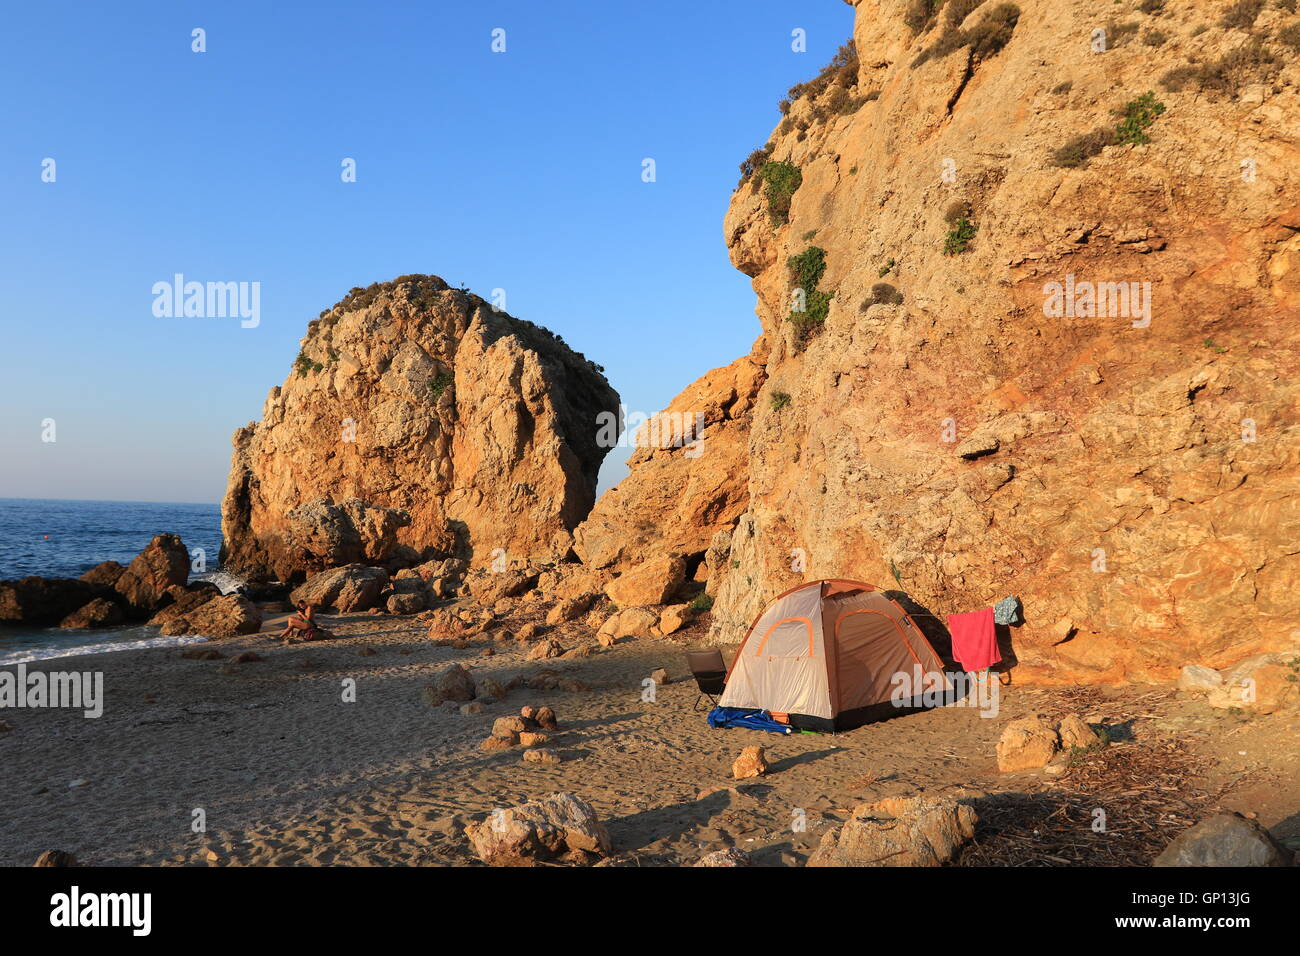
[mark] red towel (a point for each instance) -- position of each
(974, 641)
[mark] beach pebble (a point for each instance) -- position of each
(728, 857)
(545, 718)
(541, 756)
(659, 676)
(508, 727)
(472, 708)
(544, 650)
(530, 739)
(496, 743)
(78, 783)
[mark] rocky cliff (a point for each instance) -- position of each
(1029, 294)
(418, 422)
(687, 476)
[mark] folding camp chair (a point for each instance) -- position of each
(710, 673)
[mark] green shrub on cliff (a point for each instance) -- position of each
(780, 181)
(1136, 116)
(806, 270)
(303, 364)
(439, 384)
(958, 238)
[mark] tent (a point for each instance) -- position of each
(833, 654)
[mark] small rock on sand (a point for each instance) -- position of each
(728, 857)
(1074, 733)
(544, 756)
(752, 762)
(1027, 744)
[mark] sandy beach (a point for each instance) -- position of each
(287, 773)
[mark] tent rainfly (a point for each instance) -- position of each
(830, 655)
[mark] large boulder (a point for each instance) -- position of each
(184, 600)
(100, 612)
(1225, 839)
(560, 827)
(355, 587)
(36, 600)
(650, 582)
(630, 622)
(412, 395)
(224, 616)
(899, 831)
(321, 534)
(163, 564)
(489, 587)
(569, 609)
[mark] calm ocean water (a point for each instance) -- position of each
(63, 539)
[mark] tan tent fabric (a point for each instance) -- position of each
(828, 650)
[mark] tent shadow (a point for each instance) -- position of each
(786, 763)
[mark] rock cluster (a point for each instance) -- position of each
(560, 827)
(153, 588)
(1262, 683)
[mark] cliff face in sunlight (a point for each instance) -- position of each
(953, 411)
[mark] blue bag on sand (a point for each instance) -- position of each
(745, 717)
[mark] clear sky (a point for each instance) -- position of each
(519, 170)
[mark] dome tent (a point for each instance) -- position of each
(830, 655)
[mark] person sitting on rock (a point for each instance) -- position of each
(304, 622)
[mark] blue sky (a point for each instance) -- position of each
(518, 170)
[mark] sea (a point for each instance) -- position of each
(64, 539)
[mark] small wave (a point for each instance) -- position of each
(30, 654)
(224, 580)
